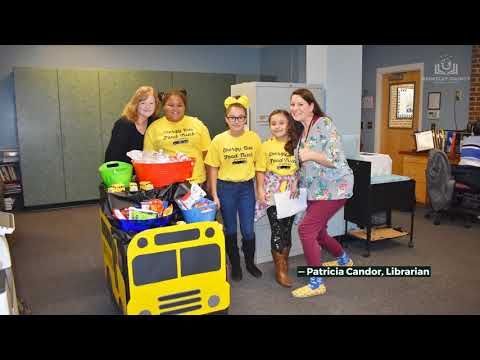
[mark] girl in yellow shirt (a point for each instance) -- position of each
(276, 171)
(177, 132)
(231, 159)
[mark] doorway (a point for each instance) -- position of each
(398, 110)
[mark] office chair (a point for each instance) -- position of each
(452, 192)
(440, 184)
(467, 189)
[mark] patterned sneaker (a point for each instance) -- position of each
(343, 260)
(315, 287)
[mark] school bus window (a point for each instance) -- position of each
(200, 259)
(177, 236)
(146, 270)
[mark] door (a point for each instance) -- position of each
(205, 96)
(400, 114)
(39, 136)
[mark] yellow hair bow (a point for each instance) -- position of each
(242, 100)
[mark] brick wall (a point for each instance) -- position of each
(474, 105)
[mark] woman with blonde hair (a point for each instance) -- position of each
(128, 131)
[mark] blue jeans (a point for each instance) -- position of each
(237, 197)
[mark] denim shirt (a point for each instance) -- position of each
(325, 183)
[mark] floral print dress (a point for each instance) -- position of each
(274, 183)
(325, 183)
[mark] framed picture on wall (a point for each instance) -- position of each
(434, 99)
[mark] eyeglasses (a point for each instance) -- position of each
(236, 118)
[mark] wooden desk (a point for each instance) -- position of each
(414, 165)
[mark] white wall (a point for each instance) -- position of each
(189, 58)
(339, 69)
(316, 64)
(284, 62)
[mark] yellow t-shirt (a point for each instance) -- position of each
(234, 156)
(189, 136)
(273, 157)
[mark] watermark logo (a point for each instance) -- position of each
(446, 66)
(445, 71)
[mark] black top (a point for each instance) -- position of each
(125, 137)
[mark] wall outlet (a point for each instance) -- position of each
(433, 114)
(458, 95)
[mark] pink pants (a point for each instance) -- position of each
(313, 230)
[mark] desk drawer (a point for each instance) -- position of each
(397, 195)
(416, 173)
(415, 159)
(421, 192)
(414, 169)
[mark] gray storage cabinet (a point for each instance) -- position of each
(116, 89)
(206, 95)
(65, 118)
(39, 136)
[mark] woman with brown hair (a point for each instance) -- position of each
(325, 173)
(128, 131)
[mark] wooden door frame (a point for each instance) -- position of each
(378, 96)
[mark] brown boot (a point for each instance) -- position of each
(281, 274)
(286, 252)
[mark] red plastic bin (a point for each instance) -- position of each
(161, 175)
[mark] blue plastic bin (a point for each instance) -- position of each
(205, 213)
(140, 225)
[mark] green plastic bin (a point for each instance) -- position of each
(116, 172)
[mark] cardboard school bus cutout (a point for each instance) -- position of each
(170, 270)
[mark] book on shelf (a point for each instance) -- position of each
(4, 173)
(12, 173)
(12, 186)
(8, 173)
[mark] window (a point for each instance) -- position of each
(200, 259)
(147, 271)
(401, 105)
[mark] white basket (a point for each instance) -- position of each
(7, 223)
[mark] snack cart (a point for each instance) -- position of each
(166, 270)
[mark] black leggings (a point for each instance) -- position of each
(281, 230)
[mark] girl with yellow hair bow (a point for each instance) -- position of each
(231, 159)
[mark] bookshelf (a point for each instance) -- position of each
(10, 178)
